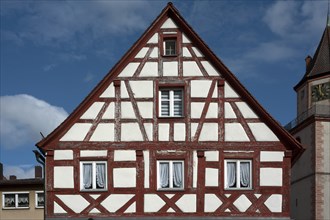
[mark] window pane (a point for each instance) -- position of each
(165, 108)
(231, 174)
(87, 176)
(165, 95)
(177, 175)
(245, 174)
(9, 200)
(164, 175)
(177, 108)
(23, 200)
(100, 176)
(177, 94)
(40, 199)
(170, 47)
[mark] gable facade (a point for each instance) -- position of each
(169, 132)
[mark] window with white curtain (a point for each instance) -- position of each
(93, 175)
(40, 199)
(171, 102)
(15, 200)
(238, 174)
(170, 174)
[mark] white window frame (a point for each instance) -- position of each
(238, 178)
(16, 200)
(170, 175)
(93, 175)
(171, 101)
(166, 40)
(36, 199)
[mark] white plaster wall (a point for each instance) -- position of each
(63, 177)
(212, 202)
(149, 69)
(142, 89)
(146, 169)
(179, 132)
(115, 201)
(152, 203)
(129, 70)
(145, 109)
(124, 155)
(229, 92)
(75, 202)
(211, 155)
(163, 132)
(211, 177)
(185, 52)
(193, 128)
(131, 208)
(209, 132)
(274, 203)
(170, 68)
(153, 39)
(123, 90)
(109, 92)
(154, 53)
(271, 177)
(93, 153)
(200, 88)
(124, 177)
(131, 132)
(63, 155)
(103, 132)
(93, 111)
(77, 132)
(190, 68)
(242, 203)
(148, 128)
(261, 132)
(187, 203)
(127, 110)
(271, 156)
(212, 112)
(210, 69)
(185, 39)
(110, 112)
(58, 209)
(229, 112)
(246, 111)
(235, 132)
(197, 52)
(169, 23)
(142, 52)
(196, 109)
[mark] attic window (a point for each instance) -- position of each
(170, 47)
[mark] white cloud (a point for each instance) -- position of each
(23, 117)
(20, 171)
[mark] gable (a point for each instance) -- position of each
(124, 107)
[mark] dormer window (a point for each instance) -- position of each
(170, 47)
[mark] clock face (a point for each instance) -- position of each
(321, 92)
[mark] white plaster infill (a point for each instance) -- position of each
(271, 156)
(211, 202)
(93, 153)
(75, 202)
(152, 203)
(63, 177)
(271, 177)
(124, 155)
(63, 155)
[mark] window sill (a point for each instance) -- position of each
(238, 189)
(169, 190)
(10, 208)
(93, 190)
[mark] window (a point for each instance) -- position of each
(171, 102)
(238, 174)
(15, 200)
(93, 175)
(170, 47)
(40, 199)
(170, 174)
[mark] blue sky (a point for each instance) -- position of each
(53, 53)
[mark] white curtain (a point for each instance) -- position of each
(164, 175)
(231, 174)
(9, 200)
(100, 175)
(23, 200)
(245, 174)
(177, 174)
(87, 178)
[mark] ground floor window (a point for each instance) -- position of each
(238, 174)
(93, 175)
(15, 200)
(170, 174)
(40, 199)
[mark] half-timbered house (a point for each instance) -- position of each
(169, 132)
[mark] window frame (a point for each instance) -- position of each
(170, 162)
(36, 199)
(16, 200)
(237, 172)
(93, 175)
(171, 100)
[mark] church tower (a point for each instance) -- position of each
(310, 183)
